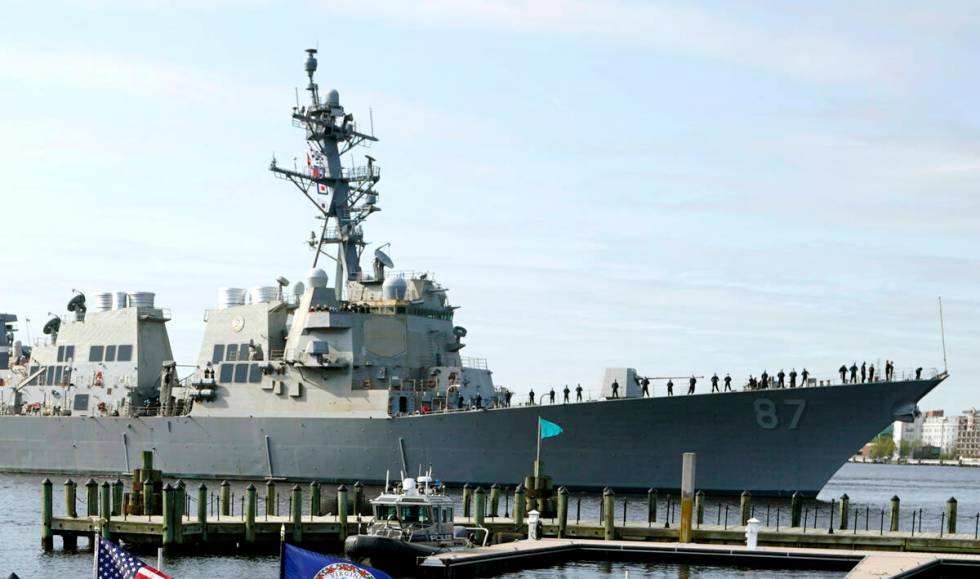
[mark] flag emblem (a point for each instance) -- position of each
(343, 571)
(297, 563)
(114, 562)
(321, 189)
(549, 429)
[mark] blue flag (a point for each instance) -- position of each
(549, 429)
(302, 564)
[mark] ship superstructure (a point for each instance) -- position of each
(92, 362)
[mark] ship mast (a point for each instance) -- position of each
(344, 196)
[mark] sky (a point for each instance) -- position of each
(676, 187)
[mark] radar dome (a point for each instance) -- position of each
(333, 98)
(316, 277)
(394, 288)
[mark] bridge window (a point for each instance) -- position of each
(243, 352)
(61, 353)
(227, 372)
(80, 403)
(69, 353)
(110, 353)
(241, 373)
(124, 353)
(49, 379)
(95, 353)
(255, 373)
(232, 354)
(218, 354)
(58, 370)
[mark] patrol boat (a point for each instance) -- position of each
(415, 520)
(346, 380)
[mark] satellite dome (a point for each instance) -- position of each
(394, 288)
(316, 277)
(333, 98)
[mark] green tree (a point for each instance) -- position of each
(882, 447)
(905, 449)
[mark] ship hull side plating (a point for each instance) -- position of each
(766, 442)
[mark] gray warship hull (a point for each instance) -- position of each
(768, 442)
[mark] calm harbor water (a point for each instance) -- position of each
(869, 486)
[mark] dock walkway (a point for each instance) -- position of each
(528, 553)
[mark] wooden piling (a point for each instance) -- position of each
(608, 516)
(117, 498)
(270, 499)
(91, 498)
(896, 511)
(250, 508)
(358, 498)
(562, 512)
(168, 515)
(315, 499)
(147, 487)
(651, 506)
(146, 460)
(70, 510)
(105, 509)
(685, 533)
(342, 511)
(135, 502)
(494, 500)
(466, 500)
(297, 514)
(520, 508)
(845, 504)
(795, 510)
(951, 515)
(47, 514)
(481, 505)
(745, 507)
(225, 497)
(202, 511)
(180, 508)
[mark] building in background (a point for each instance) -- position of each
(940, 431)
(968, 437)
(907, 436)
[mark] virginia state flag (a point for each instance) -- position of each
(302, 564)
(549, 429)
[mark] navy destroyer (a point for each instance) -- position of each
(352, 379)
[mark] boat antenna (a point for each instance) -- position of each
(387, 477)
(942, 334)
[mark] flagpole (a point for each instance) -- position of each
(282, 551)
(537, 460)
(95, 556)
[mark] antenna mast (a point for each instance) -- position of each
(344, 196)
(942, 333)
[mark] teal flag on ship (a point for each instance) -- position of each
(549, 429)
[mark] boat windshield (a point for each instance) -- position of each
(385, 512)
(415, 514)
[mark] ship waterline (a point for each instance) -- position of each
(768, 442)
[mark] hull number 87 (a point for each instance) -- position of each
(770, 415)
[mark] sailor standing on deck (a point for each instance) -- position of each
(690, 389)
(854, 373)
(764, 380)
(782, 378)
(531, 396)
(578, 393)
(565, 392)
(918, 373)
(792, 378)
(843, 373)
(864, 372)
(714, 382)
(728, 382)
(645, 384)
(871, 373)
(670, 387)
(551, 396)
(507, 396)
(804, 377)
(615, 389)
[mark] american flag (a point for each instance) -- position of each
(116, 563)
